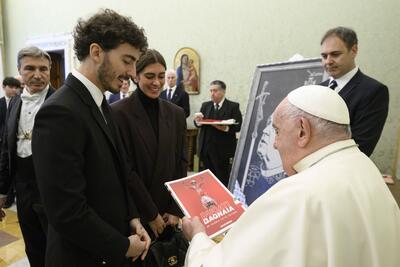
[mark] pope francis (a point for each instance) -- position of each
(333, 210)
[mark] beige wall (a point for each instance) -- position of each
(232, 37)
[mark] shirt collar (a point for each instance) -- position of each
(38, 94)
(322, 153)
(94, 91)
(342, 81)
(220, 103)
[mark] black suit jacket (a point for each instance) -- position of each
(368, 102)
(9, 145)
(82, 180)
(3, 111)
(226, 140)
(154, 159)
(180, 98)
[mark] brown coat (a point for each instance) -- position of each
(152, 163)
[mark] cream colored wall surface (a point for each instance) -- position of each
(232, 37)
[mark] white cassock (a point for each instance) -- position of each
(336, 211)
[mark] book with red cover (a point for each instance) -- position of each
(203, 195)
(217, 122)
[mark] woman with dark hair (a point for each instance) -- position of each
(154, 135)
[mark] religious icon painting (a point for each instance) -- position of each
(187, 66)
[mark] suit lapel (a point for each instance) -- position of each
(164, 137)
(209, 107)
(222, 111)
(351, 84)
(176, 95)
(86, 98)
(13, 121)
(143, 125)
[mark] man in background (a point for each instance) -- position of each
(367, 99)
(217, 143)
(175, 93)
(16, 165)
(333, 210)
(124, 91)
(11, 87)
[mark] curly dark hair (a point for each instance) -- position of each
(108, 29)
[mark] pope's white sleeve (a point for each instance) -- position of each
(200, 247)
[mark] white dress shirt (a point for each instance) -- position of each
(94, 91)
(172, 92)
(31, 104)
(7, 100)
(342, 81)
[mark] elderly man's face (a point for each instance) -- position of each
(170, 79)
(336, 57)
(35, 73)
(216, 93)
(285, 137)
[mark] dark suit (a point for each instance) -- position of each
(180, 98)
(20, 173)
(81, 175)
(114, 98)
(368, 104)
(154, 159)
(217, 147)
(3, 111)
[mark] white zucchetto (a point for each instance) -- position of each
(321, 102)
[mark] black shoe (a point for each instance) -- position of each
(8, 203)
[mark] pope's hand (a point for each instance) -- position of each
(191, 227)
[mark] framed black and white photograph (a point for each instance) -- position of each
(257, 165)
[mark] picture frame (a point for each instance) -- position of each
(257, 165)
(187, 66)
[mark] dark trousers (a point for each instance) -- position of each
(31, 216)
(10, 197)
(217, 162)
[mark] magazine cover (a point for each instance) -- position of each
(203, 195)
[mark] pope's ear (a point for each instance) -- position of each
(304, 132)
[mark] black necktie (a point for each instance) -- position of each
(216, 106)
(107, 116)
(332, 84)
(123, 95)
(169, 94)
